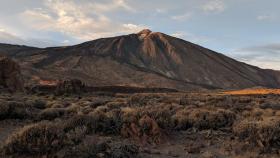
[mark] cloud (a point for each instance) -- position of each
(134, 28)
(38, 18)
(265, 56)
(80, 20)
(10, 38)
(160, 10)
(178, 34)
(6, 37)
(191, 37)
(264, 17)
(114, 4)
(216, 6)
(182, 17)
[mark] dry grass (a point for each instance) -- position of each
(253, 91)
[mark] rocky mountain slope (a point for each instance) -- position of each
(145, 59)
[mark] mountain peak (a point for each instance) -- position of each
(144, 33)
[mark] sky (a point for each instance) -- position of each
(246, 30)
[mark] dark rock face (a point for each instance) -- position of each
(70, 87)
(10, 75)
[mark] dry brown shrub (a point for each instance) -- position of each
(203, 118)
(40, 104)
(144, 99)
(150, 129)
(161, 113)
(245, 100)
(35, 139)
(97, 147)
(102, 109)
(57, 105)
(89, 147)
(185, 101)
(4, 110)
(124, 151)
(263, 133)
(49, 139)
(212, 100)
(129, 115)
(96, 122)
(116, 104)
(145, 130)
(98, 102)
(16, 110)
(73, 109)
(51, 113)
(258, 114)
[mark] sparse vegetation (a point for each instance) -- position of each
(203, 118)
(264, 133)
(122, 125)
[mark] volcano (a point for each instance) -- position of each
(144, 59)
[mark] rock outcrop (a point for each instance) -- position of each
(10, 75)
(70, 87)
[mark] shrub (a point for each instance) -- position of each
(203, 118)
(40, 104)
(145, 130)
(129, 115)
(124, 151)
(263, 133)
(161, 113)
(89, 147)
(143, 99)
(4, 110)
(16, 110)
(95, 147)
(44, 138)
(96, 122)
(51, 113)
(35, 139)
(98, 102)
(116, 104)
